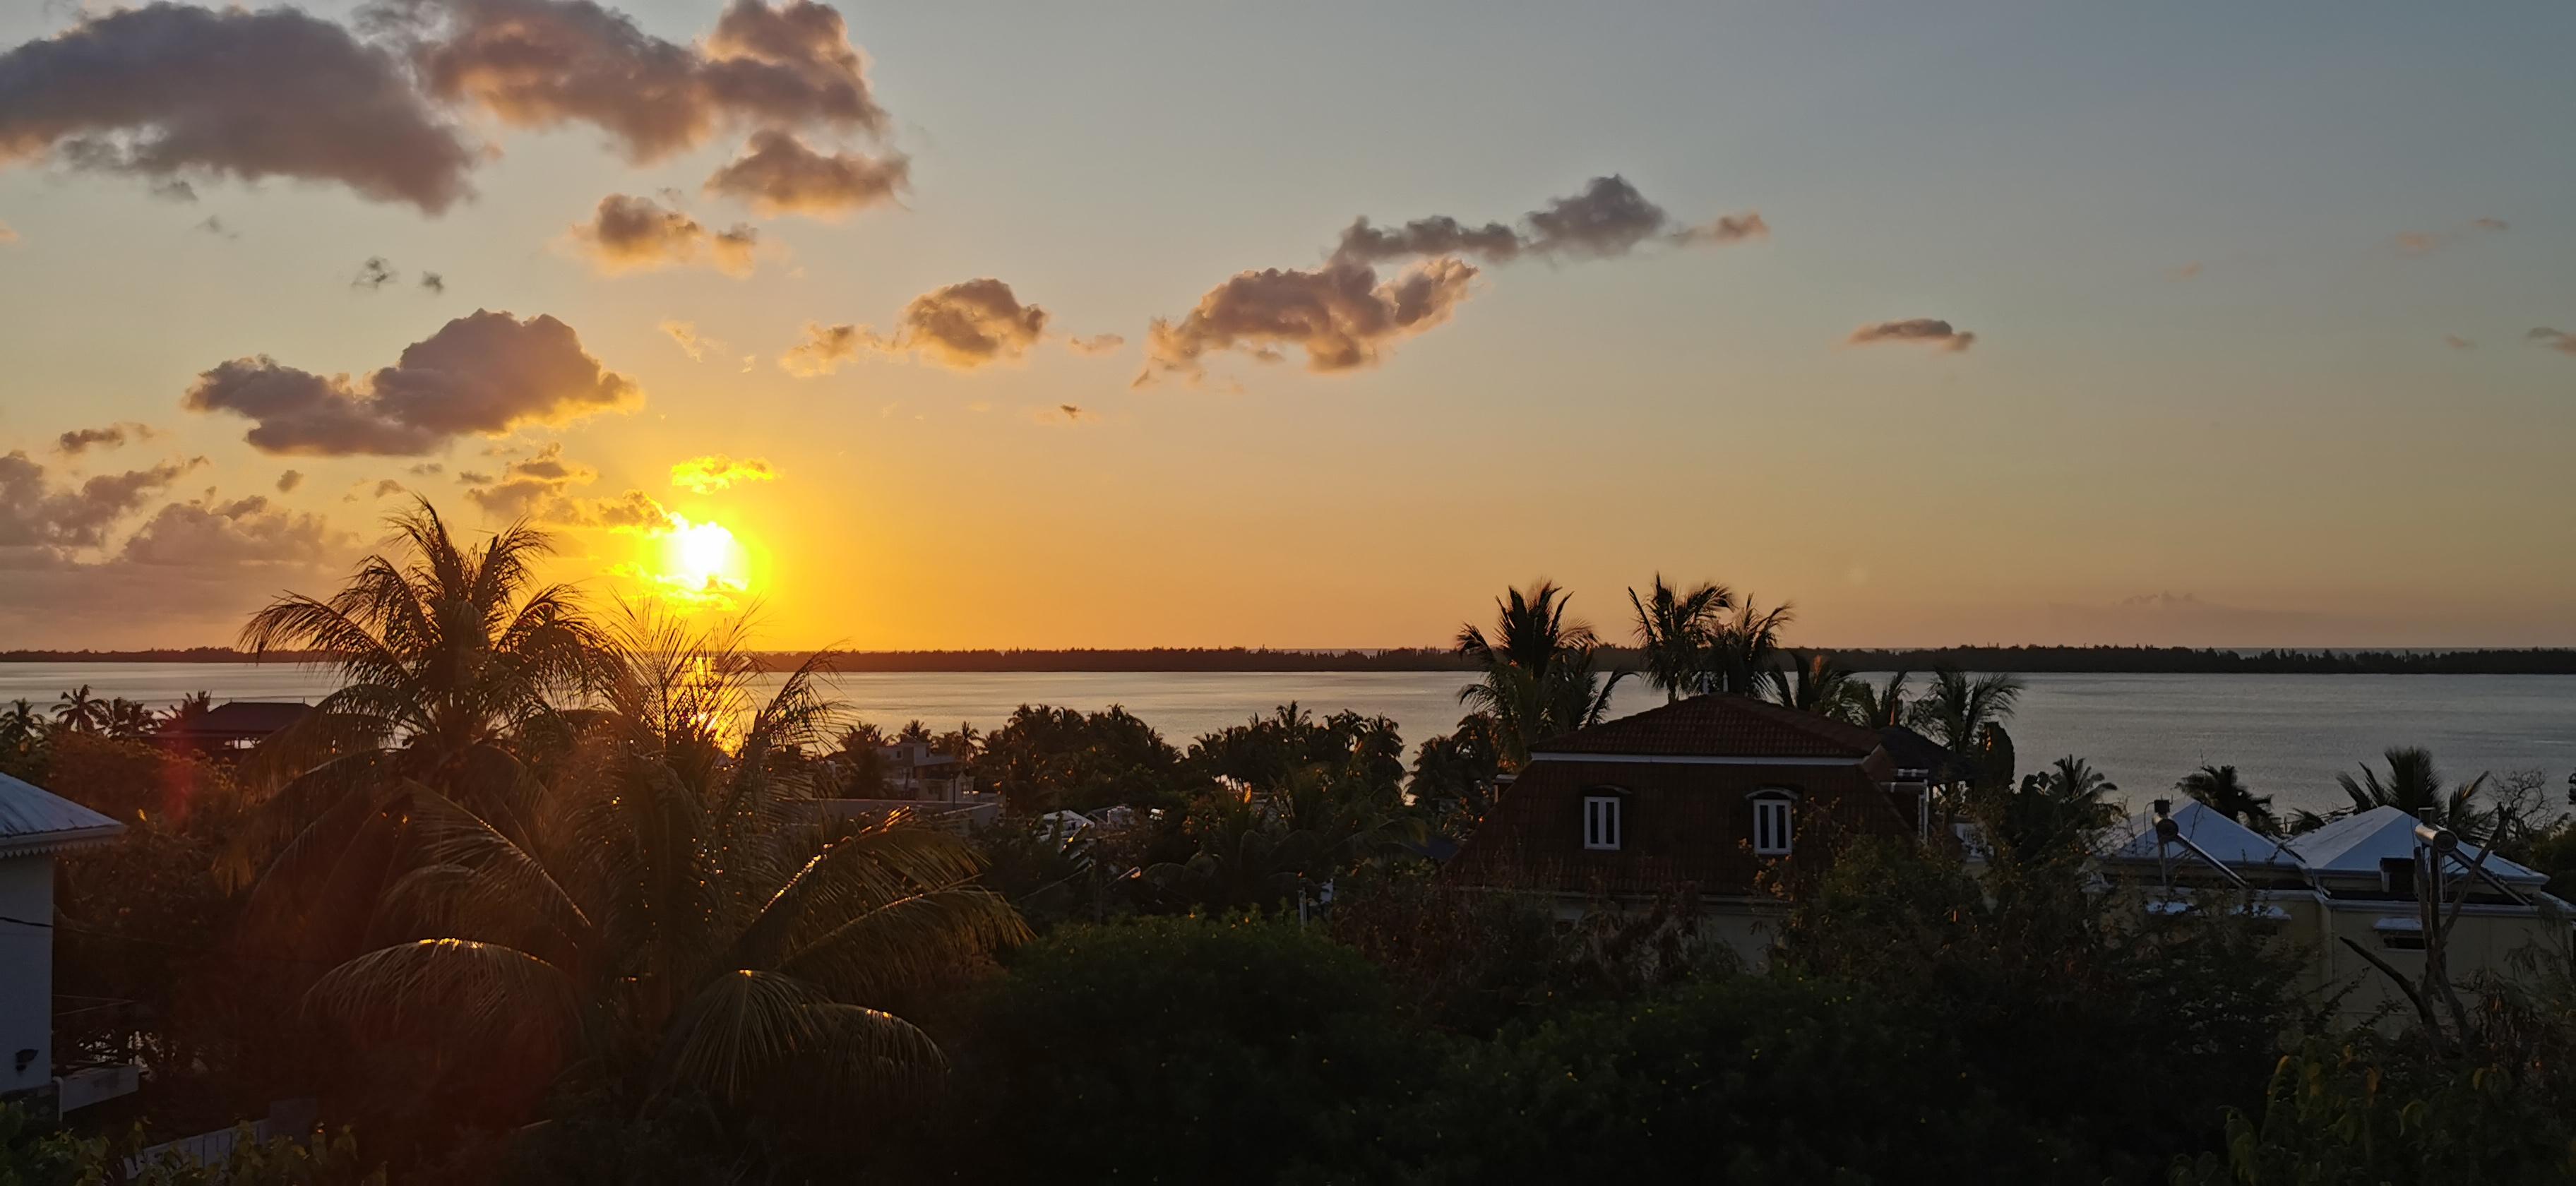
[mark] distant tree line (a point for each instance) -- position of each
(2105, 660)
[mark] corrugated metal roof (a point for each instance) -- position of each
(33, 819)
(2231, 842)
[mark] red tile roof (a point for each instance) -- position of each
(1682, 824)
(1719, 727)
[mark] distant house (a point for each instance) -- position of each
(234, 725)
(35, 825)
(2352, 882)
(1702, 797)
(915, 771)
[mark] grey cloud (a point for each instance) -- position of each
(825, 348)
(82, 440)
(1095, 344)
(374, 274)
(1341, 316)
(206, 533)
(2419, 242)
(433, 282)
(969, 324)
(1917, 329)
(638, 234)
(2556, 339)
(545, 63)
(1608, 218)
(171, 89)
(485, 373)
(35, 513)
(288, 481)
(540, 488)
(778, 174)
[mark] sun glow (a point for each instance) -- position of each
(701, 565)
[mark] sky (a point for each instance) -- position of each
(997, 324)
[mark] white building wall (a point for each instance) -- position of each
(26, 972)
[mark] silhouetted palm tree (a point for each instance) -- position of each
(1538, 678)
(77, 711)
(1674, 631)
(190, 709)
(2219, 789)
(1811, 683)
(1744, 647)
(1957, 708)
(440, 648)
(1877, 707)
(128, 720)
(2415, 786)
(22, 729)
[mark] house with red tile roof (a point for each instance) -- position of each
(1724, 800)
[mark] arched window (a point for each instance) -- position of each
(1775, 822)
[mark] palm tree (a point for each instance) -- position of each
(2219, 789)
(190, 709)
(1966, 715)
(128, 720)
(1538, 679)
(664, 914)
(1813, 684)
(1674, 631)
(2415, 787)
(1880, 708)
(1742, 649)
(22, 729)
(77, 711)
(440, 648)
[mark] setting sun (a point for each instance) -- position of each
(703, 556)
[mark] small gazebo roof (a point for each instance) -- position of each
(34, 820)
(2231, 843)
(2354, 845)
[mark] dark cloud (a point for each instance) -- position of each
(288, 481)
(433, 282)
(214, 225)
(969, 324)
(168, 90)
(825, 348)
(82, 440)
(2556, 339)
(1341, 316)
(1917, 329)
(542, 488)
(207, 533)
(426, 469)
(1609, 218)
(546, 63)
(778, 174)
(374, 274)
(628, 234)
(484, 373)
(171, 189)
(36, 513)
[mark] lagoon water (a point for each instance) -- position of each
(2288, 735)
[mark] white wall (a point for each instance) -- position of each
(26, 971)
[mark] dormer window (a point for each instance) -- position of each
(1774, 825)
(1601, 822)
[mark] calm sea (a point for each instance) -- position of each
(2287, 734)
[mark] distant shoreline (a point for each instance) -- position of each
(2093, 660)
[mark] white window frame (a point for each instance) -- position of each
(1775, 823)
(1603, 822)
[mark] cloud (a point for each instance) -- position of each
(167, 90)
(2419, 242)
(35, 513)
(288, 481)
(2556, 339)
(214, 225)
(627, 234)
(969, 324)
(433, 282)
(374, 274)
(2456, 342)
(1341, 316)
(1608, 218)
(540, 488)
(1096, 344)
(1917, 329)
(426, 469)
(82, 440)
(485, 373)
(206, 533)
(7, 236)
(778, 174)
(690, 342)
(716, 471)
(547, 63)
(825, 348)
(2189, 271)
